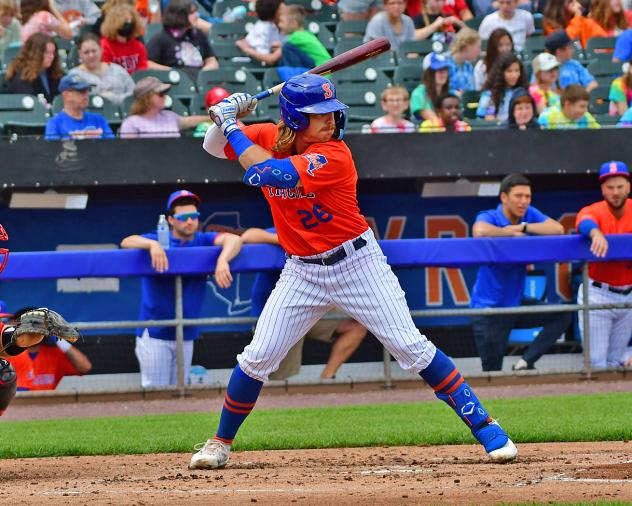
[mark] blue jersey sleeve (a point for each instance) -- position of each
(150, 235)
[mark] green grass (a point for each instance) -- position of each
(599, 417)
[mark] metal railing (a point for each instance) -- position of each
(623, 250)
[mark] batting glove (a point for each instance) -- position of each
(244, 103)
(224, 115)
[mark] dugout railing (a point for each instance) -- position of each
(402, 253)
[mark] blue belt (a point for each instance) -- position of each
(336, 256)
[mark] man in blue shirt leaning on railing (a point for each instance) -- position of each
(156, 346)
(503, 285)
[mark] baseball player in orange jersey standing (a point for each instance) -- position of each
(610, 329)
(308, 177)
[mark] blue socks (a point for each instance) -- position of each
(241, 396)
(449, 386)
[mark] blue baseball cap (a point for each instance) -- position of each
(73, 82)
(613, 168)
(435, 61)
(181, 194)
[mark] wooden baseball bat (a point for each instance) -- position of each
(342, 61)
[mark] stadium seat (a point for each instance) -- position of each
(599, 103)
(234, 80)
(9, 55)
(538, 21)
(532, 47)
(268, 110)
(72, 58)
(418, 49)
(600, 48)
(364, 104)
(224, 32)
(327, 12)
(98, 104)
(324, 34)
(351, 29)
(605, 68)
(346, 44)
(372, 79)
(474, 23)
(150, 30)
(22, 114)
(469, 102)
(409, 76)
(271, 78)
(229, 55)
(182, 85)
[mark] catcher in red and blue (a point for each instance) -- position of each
(307, 175)
(30, 329)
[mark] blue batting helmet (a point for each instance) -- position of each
(310, 94)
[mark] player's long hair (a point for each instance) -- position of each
(285, 138)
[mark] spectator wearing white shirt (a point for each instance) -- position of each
(518, 22)
(264, 40)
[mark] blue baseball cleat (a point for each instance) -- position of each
(496, 442)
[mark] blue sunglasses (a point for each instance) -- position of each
(186, 216)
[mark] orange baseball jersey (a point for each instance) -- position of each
(323, 213)
(613, 273)
(43, 370)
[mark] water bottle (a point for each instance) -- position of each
(163, 232)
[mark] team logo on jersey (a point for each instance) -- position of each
(316, 162)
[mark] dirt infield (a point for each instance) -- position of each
(353, 476)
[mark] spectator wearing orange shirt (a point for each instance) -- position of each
(610, 282)
(44, 365)
(611, 16)
(568, 15)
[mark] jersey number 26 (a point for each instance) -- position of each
(315, 217)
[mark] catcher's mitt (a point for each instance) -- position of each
(46, 322)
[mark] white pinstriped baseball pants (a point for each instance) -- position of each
(361, 285)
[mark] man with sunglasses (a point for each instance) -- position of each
(156, 346)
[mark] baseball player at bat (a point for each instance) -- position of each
(307, 175)
(29, 329)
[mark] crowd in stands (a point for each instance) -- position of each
(496, 57)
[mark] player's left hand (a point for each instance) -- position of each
(34, 325)
(223, 277)
(224, 115)
(244, 102)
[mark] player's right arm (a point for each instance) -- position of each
(159, 259)
(587, 224)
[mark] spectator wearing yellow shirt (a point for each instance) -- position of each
(448, 107)
(572, 114)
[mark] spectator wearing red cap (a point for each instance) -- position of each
(156, 346)
(609, 282)
(213, 96)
